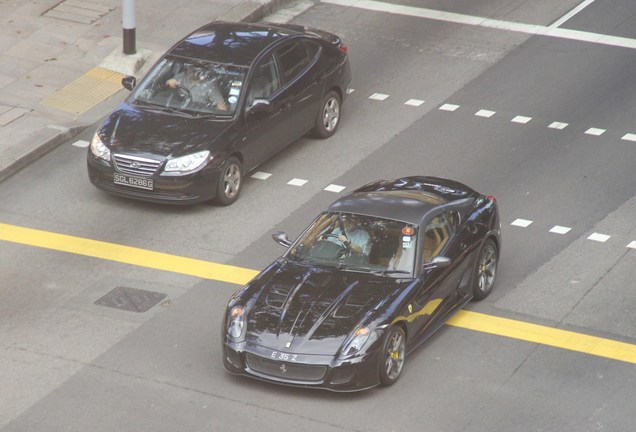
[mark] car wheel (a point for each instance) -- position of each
(393, 356)
(230, 182)
(329, 116)
(486, 270)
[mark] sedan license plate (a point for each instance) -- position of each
(136, 182)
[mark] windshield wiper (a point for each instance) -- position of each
(387, 272)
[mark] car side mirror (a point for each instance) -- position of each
(129, 82)
(259, 106)
(437, 262)
(281, 238)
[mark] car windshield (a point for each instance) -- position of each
(358, 242)
(194, 86)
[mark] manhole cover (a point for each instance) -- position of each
(78, 11)
(131, 299)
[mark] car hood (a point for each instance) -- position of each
(312, 310)
(153, 132)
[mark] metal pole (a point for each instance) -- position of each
(128, 22)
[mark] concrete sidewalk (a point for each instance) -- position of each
(61, 62)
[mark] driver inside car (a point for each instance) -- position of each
(351, 235)
(202, 88)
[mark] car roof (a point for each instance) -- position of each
(409, 199)
(231, 43)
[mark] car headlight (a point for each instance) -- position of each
(98, 148)
(187, 163)
(236, 322)
(358, 340)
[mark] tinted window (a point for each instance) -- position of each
(312, 49)
(264, 82)
(437, 233)
(203, 87)
(347, 239)
(293, 57)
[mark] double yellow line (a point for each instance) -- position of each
(520, 330)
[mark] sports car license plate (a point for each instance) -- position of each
(136, 182)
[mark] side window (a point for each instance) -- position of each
(293, 58)
(437, 233)
(264, 81)
(312, 49)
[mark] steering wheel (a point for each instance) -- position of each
(183, 93)
(344, 248)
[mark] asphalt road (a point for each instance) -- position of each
(515, 115)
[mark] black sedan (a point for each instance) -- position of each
(370, 279)
(220, 102)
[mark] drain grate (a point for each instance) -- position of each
(131, 299)
(78, 11)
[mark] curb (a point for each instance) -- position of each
(45, 140)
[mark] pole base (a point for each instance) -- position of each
(129, 41)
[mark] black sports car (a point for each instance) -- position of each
(372, 277)
(219, 103)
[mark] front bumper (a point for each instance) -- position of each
(308, 371)
(192, 188)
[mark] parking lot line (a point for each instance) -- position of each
(499, 326)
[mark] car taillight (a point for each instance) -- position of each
(492, 198)
(343, 48)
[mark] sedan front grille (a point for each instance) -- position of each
(136, 165)
(286, 371)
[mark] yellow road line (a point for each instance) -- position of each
(126, 254)
(520, 330)
(545, 335)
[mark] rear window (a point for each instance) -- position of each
(293, 58)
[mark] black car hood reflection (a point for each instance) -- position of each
(152, 131)
(312, 310)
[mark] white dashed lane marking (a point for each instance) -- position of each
(260, 175)
(485, 113)
(524, 223)
(521, 119)
(334, 188)
(629, 137)
(378, 96)
(557, 229)
(595, 131)
(81, 144)
(297, 182)
(448, 107)
(414, 102)
(558, 125)
(599, 237)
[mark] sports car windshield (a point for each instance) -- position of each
(192, 86)
(358, 242)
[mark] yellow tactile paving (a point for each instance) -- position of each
(85, 92)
